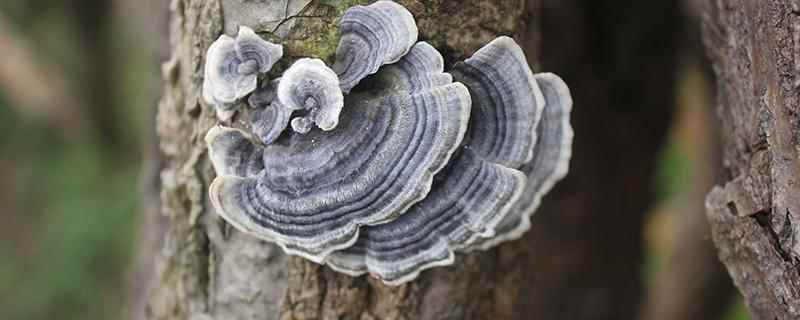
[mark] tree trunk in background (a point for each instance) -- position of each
(584, 253)
(755, 214)
(582, 259)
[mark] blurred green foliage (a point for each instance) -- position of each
(73, 214)
(70, 204)
(671, 178)
(738, 312)
(673, 172)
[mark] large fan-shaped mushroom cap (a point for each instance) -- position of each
(316, 189)
(507, 101)
(480, 185)
(467, 201)
(550, 161)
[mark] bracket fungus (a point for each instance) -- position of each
(406, 170)
(232, 68)
(550, 161)
(233, 154)
(507, 102)
(372, 36)
(316, 189)
(268, 118)
(468, 198)
(311, 86)
(481, 184)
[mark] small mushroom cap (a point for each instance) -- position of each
(270, 121)
(550, 162)
(265, 95)
(233, 153)
(223, 83)
(302, 125)
(261, 54)
(480, 185)
(507, 102)
(371, 36)
(317, 189)
(232, 68)
(269, 118)
(310, 84)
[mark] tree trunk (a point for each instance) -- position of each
(755, 214)
(568, 267)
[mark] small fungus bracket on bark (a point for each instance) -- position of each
(393, 164)
(268, 117)
(311, 86)
(233, 66)
(372, 36)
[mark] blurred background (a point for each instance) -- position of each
(79, 83)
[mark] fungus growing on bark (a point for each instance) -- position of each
(468, 198)
(268, 118)
(311, 86)
(506, 100)
(394, 183)
(550, 161)
(316, 189)
(232, 68)
(233, 154)
(481, 184)
(372, 36)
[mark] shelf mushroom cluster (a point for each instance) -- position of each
(391, 164)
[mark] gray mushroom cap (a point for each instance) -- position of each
(506, 98)
(233, 153)
(269, 118)
(549, 165)
(315, 190)
(309, 84)
(372, 36)
(232, 68)
(479, 186)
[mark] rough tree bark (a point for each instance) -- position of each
(755, 213)
(568, 267)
